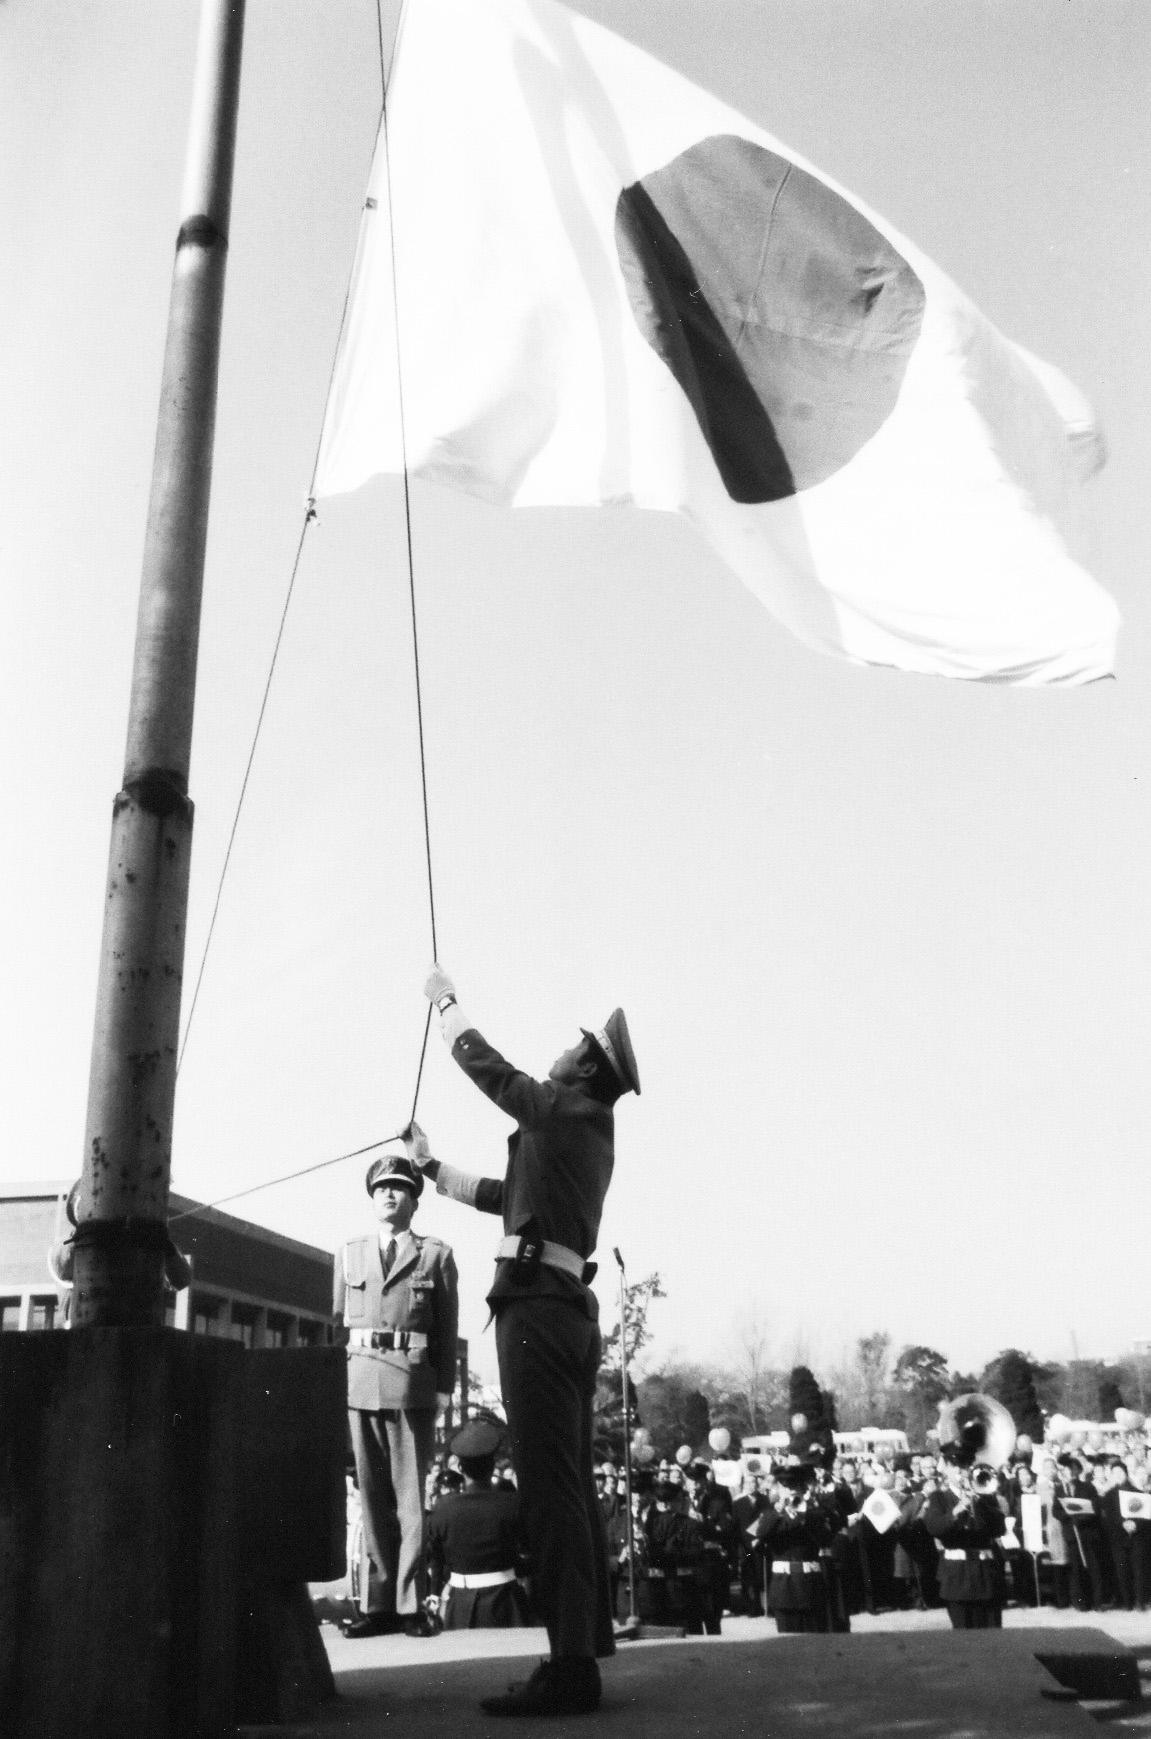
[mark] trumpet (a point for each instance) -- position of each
(979, 1481)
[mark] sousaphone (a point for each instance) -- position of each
(976, 1428)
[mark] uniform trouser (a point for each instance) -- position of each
(1085, 1562)
(549, 1354)
(975, 1614)
(1122, 1571)
(393, 1451)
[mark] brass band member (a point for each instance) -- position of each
(794, 1530)
(967, 1520)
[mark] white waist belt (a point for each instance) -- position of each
(784, 1566)
(554, 1256)
(399, 1339)
(482, 1578)
(958, 1554)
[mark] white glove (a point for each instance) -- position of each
(437, 985)
(416, 1145)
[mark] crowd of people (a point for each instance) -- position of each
(810, 1538)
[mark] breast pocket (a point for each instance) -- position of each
(356, 1313)
(356, 1303)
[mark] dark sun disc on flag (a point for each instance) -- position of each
(782, 312)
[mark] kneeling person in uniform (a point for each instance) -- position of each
(474, 1541)
(396, 1291)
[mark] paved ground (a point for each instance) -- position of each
(900, 1673)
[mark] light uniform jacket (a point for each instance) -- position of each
(419, 1295)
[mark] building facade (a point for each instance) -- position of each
(248, 1284)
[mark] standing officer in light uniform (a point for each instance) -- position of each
(396, 1292)
(560, 1161)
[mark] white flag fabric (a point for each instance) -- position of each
(613, 288)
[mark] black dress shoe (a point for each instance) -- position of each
(371, 1624)
(569, 1685)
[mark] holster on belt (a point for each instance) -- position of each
(525, 1264)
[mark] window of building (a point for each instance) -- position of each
(207, 1314)
(310, 1333)
(279, 1330)
(243, 1324)
(9, 1314)
(43, 1313)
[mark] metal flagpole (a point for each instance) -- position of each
(122, 1212)
(146, 1433)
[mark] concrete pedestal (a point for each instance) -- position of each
(134, 1515)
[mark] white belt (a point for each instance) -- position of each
(400, 1339)
(959, 1555)
(482, 1578)
(554, 1256)
(784, 1566)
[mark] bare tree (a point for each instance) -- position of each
(761, 1389)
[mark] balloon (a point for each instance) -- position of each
(683, 1454)
(644, 1454)
(1058, 1425)
(720, 1440)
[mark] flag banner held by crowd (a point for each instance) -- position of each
(1074, 1507)
(881, 1510)
(614, 288)
(1135, 1506)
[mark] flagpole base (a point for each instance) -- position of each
(148, 1479)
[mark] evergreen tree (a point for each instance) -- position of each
(1110, 1393)
(675, 1412)
(1010, 1379)
(921, 1377)
(696, 1419)
(804, 1395)
(1080, 1394)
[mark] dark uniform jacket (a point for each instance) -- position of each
(795, 1539)
(560, 1160)
(977, 1576)
(474, 1532)
(419, 1296)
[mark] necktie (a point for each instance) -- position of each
(389, 1256)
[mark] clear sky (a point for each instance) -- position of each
(883, 942)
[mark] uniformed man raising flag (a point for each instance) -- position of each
(560, 1160)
